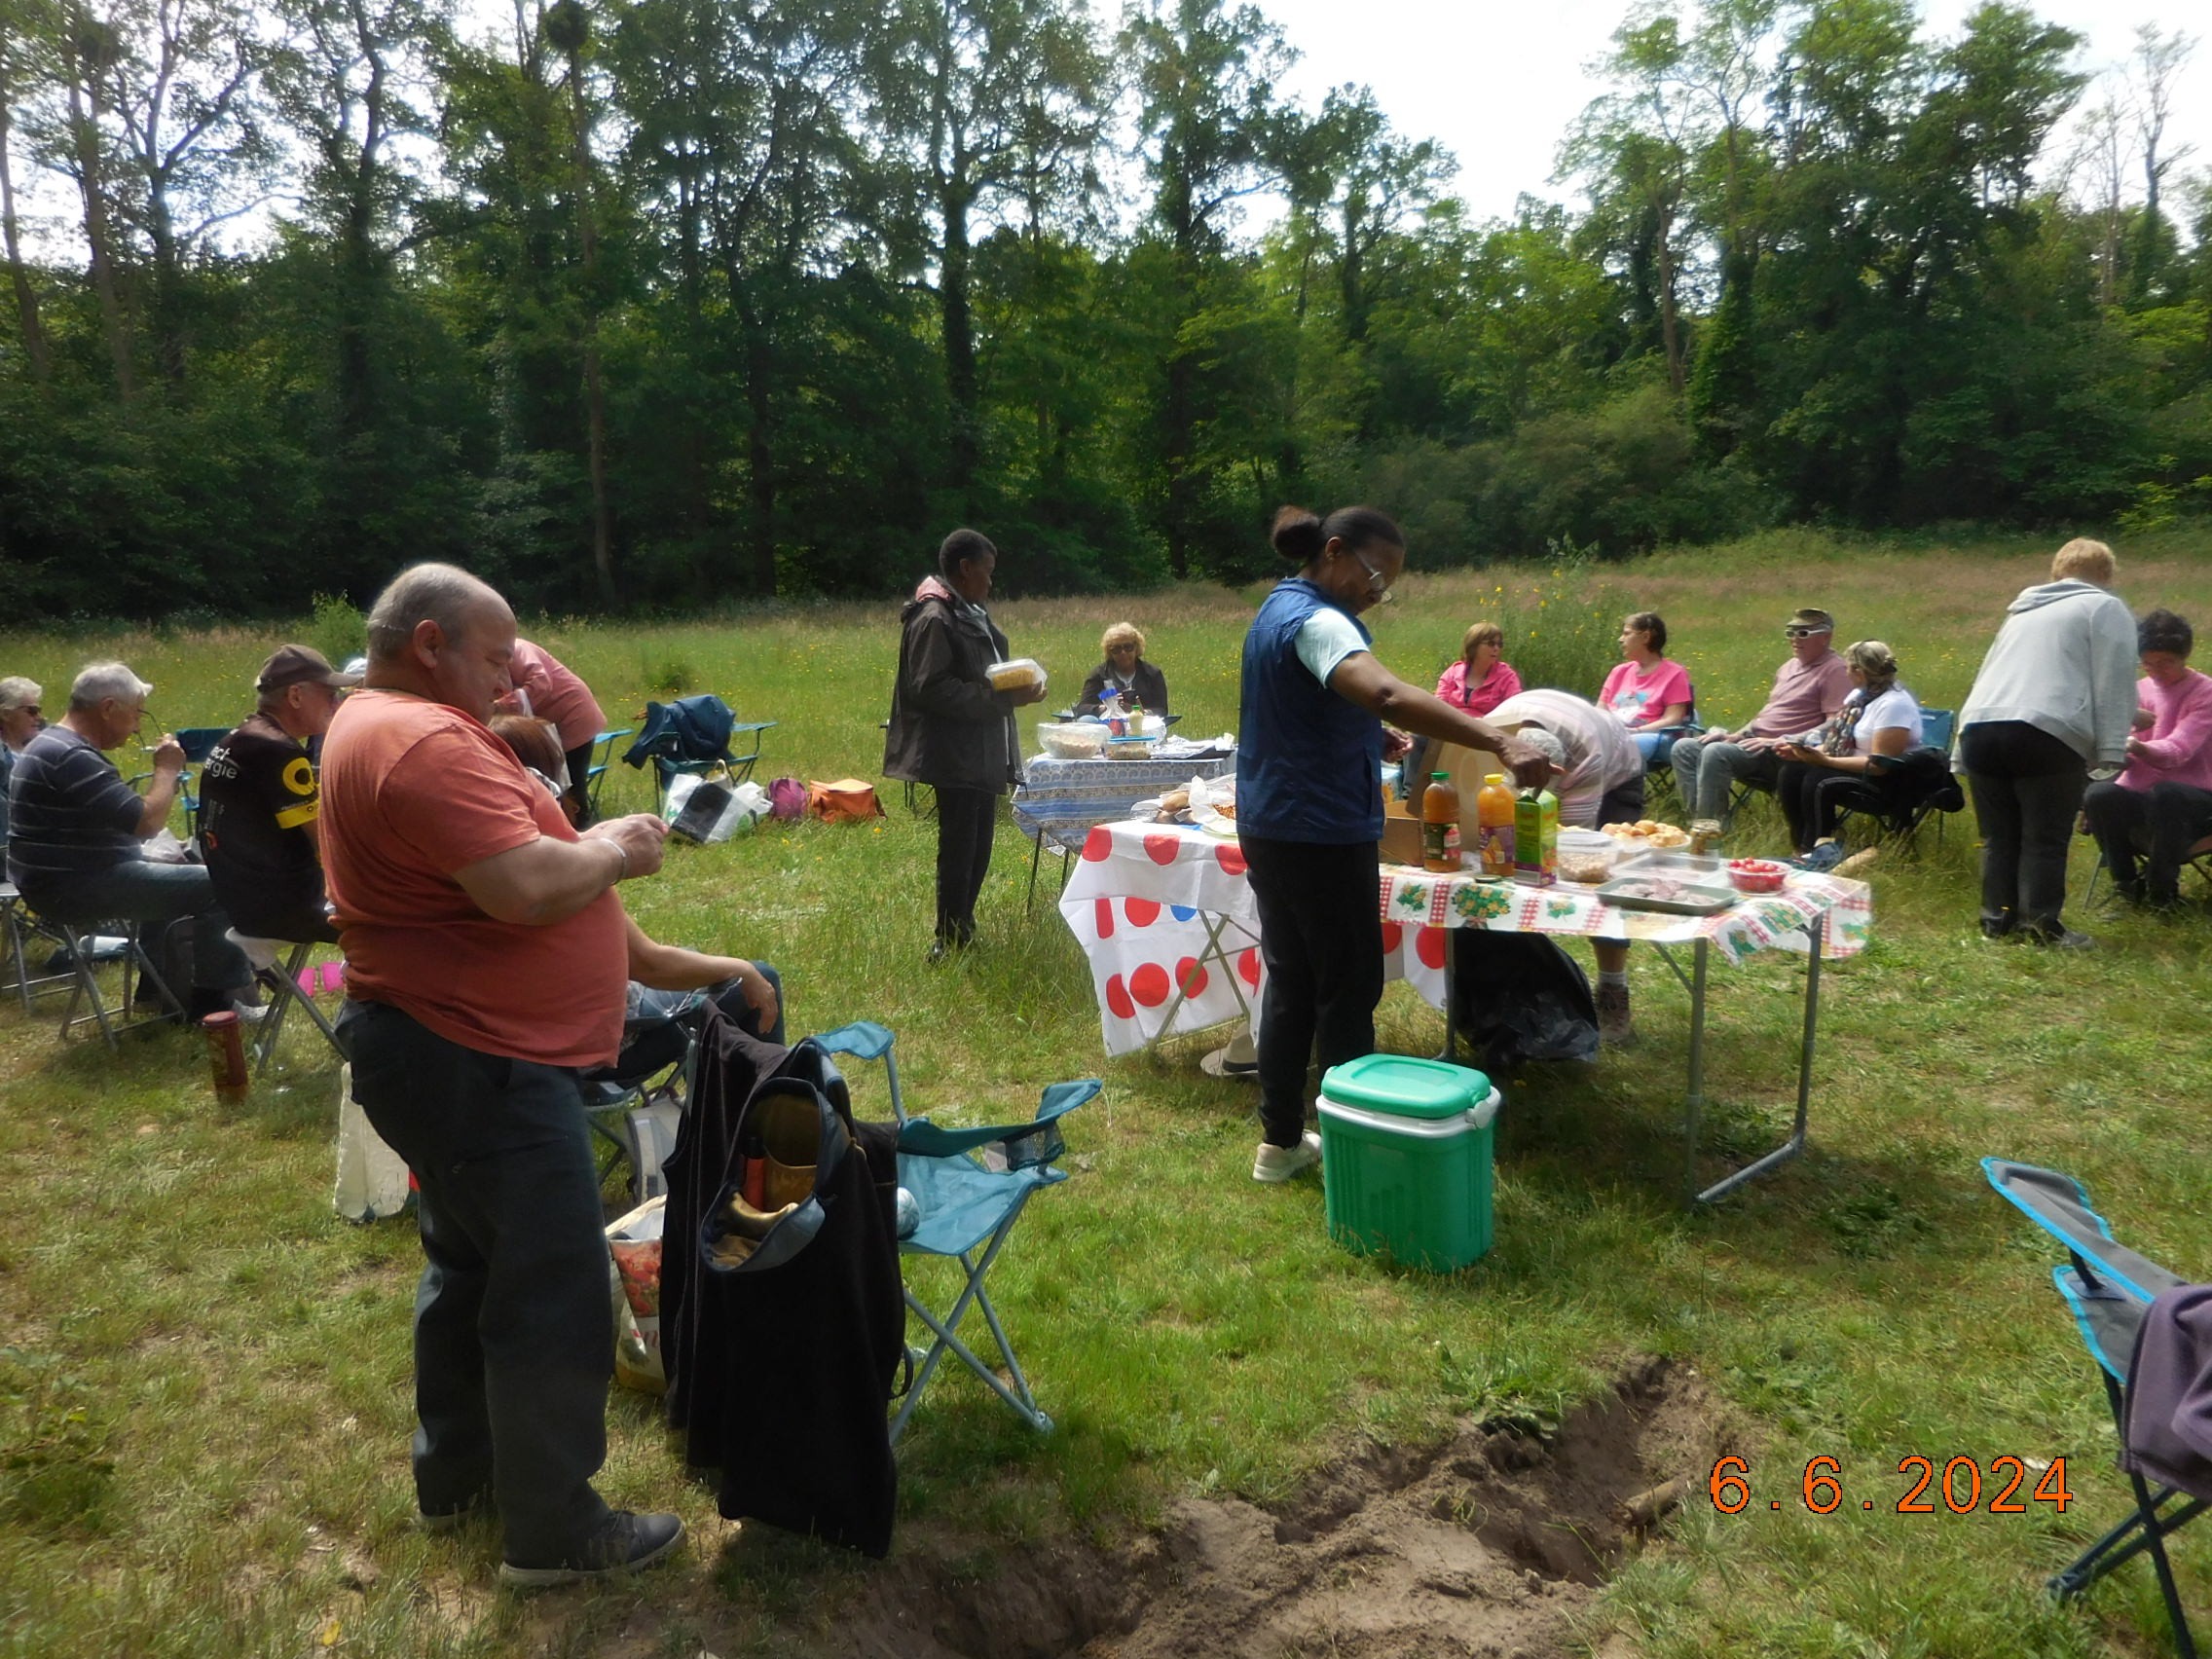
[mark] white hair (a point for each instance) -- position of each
(97, 681)
(444, 594)
(17, 692)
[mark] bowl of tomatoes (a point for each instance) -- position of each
(1756, 875)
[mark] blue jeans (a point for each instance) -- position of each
(512, 1352)
(1705, 773)
(174, 903)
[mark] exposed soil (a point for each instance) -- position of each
(1489, 1545)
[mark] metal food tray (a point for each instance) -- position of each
(1710, 891)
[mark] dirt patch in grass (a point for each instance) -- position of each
(1491, 1543)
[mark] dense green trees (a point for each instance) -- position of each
(667, 301)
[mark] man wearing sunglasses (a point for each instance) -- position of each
(1809, 687)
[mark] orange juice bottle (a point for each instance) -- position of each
(1440, 824)
(1493, 813)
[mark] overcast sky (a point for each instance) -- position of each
(1498, 84)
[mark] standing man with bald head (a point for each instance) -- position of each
(487, 961)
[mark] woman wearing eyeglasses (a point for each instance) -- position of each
(19, 723)
(1482, 678)
(1310, 803)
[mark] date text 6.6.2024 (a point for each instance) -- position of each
(1958, 1486)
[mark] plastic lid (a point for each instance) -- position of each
(1404, 1086)
(1441, 777)
(1493, 777)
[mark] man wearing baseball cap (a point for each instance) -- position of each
(260, 805)
(1808, 687)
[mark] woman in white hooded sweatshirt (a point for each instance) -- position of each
(2055, 697)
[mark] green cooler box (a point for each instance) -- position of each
(1406, 1158)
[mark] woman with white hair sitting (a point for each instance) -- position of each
(19, 723)
(1125, 671)
(1822, 770)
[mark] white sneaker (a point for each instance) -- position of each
(1275, 1164)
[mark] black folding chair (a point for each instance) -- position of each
(2109, 1288)
(1903, 792)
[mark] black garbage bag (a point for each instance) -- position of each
(1520, 998)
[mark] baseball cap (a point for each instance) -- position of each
(1807, 616)
(300, 664)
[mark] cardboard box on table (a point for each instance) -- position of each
(1401, 819)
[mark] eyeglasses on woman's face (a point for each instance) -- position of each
(1378, 584)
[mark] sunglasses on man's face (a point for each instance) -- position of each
(1801, 633)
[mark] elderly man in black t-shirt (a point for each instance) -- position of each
(76, 833)
(260, 808)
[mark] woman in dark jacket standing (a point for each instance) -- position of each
(1310, 803)
(950, 730)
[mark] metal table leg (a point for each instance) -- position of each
(1817, 933)
(1212, 953)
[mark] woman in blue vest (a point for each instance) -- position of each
(1310, 803)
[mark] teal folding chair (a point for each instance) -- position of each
(968, 1208)
(198, 743)
(2109, 1289)
(602, 753)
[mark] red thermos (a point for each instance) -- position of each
(226, 1056)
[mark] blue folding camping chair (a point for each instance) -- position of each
(968, 1208)
(696, 734)
(2109, 1288)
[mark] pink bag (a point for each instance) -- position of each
(787, 798)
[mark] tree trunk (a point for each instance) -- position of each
(760, 451)
(84, 128)
(959, 340)
(595, 391)
(1670, 327)
(26, 297)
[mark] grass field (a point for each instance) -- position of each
(204, 1384)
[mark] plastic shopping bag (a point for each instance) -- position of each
(372, 1178)
(634, 1245)
(710, 808)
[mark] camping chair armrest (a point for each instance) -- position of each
(863, 1039)
(750, 726)
(925, 1139)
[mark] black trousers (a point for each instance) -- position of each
(1321, 940)
(512, 1354)
(2026, 787)
(579, 792)
(1813, 800)
(2168, 819)
(966, 821)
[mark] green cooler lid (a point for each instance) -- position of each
(1405, 1086)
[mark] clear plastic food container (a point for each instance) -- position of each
(1015, 672)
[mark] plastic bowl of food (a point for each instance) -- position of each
(1129, 747)
(1756, 875)
(1072, 740)
(1015, 672)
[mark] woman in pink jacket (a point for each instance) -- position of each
(1482, 678)
(548, 689)
(2163, 798)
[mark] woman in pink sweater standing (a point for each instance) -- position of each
(2163, 798)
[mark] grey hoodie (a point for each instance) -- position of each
(2064, 663)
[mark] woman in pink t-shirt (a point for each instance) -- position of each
(1481, 679)
(1647, 693)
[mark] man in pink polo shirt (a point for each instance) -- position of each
(2163, 798)
(1807, 689)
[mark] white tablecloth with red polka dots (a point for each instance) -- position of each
(1144, 899)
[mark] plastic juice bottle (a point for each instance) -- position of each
(1440, 824)
(1536, 838)
(1494, 814)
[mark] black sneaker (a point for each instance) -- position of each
(623, 1543)
(451, 1517)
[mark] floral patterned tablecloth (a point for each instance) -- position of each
(1159, 907)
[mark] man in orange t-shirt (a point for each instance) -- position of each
(487, 958)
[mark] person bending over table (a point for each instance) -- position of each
(1647, 693)
(1482, 678)
(2164, 797)
(1310, 803)
(1140, 683)
(1601, 780)
(1822, 770)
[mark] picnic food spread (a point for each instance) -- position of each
(1649, 832)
